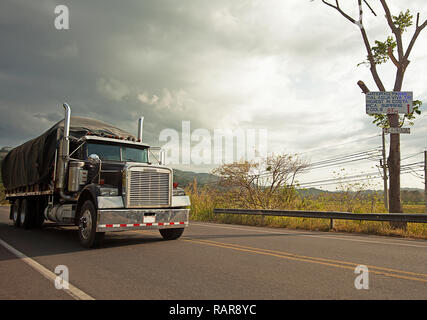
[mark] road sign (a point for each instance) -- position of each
(379, 102)
(397, 130)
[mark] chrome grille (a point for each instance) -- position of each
(148, 188)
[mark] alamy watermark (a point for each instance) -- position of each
(216, 147)
(362, 280)
(61, 281)
(62, 20)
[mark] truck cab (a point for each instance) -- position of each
(127, 190)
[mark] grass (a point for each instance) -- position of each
(2, 196)
(204, 200)
(413, 208)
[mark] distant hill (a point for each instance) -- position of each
(412, 189)
(184, 178)
(312, 192)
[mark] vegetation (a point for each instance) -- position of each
(264, 184)
(205, 199)
(2, 200)
(234, 191)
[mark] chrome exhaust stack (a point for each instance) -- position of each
(162, 157)
(66, 139)
(140, 128)
(64, 153)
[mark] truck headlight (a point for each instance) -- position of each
(108, 192)
(178, 192)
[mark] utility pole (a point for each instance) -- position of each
(384, 166)
(425, 180)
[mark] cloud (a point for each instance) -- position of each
(112, 89)
(144, 98)
(288, 66)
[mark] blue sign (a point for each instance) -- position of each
(379, 102)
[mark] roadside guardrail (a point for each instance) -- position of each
(390, 217)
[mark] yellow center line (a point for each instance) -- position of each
(291, 256)
(315, 258)
(328, 237)
(305, 260)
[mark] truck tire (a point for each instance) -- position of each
(88, 236)
(25, 214)
(15, 212)
(171, 234)
(11, 210)
(38, 216)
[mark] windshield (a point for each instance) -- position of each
(117, 152)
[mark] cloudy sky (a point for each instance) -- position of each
(288, 66)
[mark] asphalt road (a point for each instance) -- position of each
(212, 261)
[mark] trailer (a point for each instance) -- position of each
(93, 175)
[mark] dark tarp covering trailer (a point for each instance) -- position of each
(32, 162)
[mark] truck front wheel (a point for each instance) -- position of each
(88, 236)
(171, 234)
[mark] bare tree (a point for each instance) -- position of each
(260, 184)
(381, 53)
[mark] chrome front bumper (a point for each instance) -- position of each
(128, 219)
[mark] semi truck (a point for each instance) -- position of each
(95, 176)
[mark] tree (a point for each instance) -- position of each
(383, 52)
(265, 184)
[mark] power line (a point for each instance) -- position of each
(418, 164)
(338, 181)
(416, 175)
(412, 155)
(369, 154)
(345, 157)
(404, 169)
(341, 178)
(348, 160)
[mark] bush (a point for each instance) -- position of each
(2, 194)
